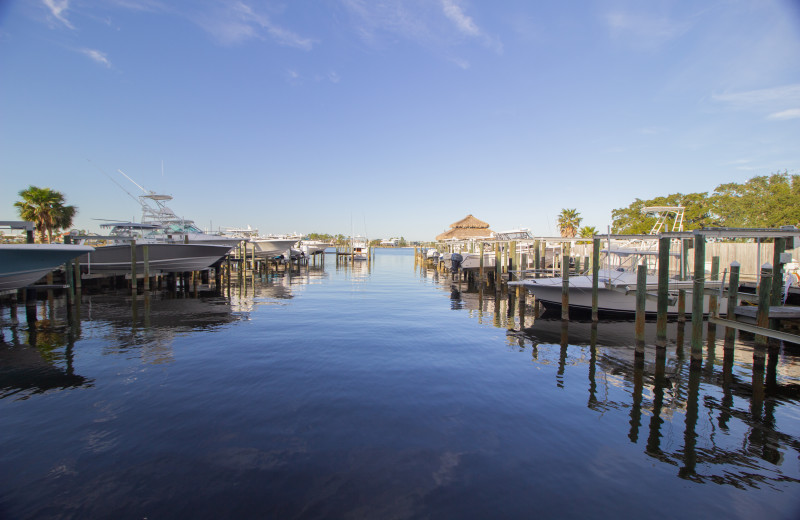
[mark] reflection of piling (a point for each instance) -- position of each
(692, 414)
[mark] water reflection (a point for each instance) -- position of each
(38, 355)
(37, 352)
(714, 421)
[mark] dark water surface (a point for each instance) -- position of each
(381, 392)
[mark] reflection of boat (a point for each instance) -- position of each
(23, 264)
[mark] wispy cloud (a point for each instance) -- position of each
(645, 31)
(792, 113)
(441, 27)
(466, 25)
(237, 22)
(97, 56)
(773, 102)
(58, 9)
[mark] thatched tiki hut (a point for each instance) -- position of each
(466, 228)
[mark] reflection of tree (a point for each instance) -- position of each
(39, 357)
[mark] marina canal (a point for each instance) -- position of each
(381, 390)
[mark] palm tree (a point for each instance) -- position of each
(568, 222)
(587, 231)
(45, 208)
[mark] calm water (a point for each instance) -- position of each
(380, 393)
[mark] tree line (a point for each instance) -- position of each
(766, 201)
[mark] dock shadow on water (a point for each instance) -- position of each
(381, 390)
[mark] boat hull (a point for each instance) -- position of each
(166, 258)
(24, 264)
(611, 303)
(272, 247)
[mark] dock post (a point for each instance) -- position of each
(713, 300)
(70, 279)
(565, 286)
(698, 287)
(663, 291)
(733, 293)
(513, 263)
(480, 263)
(595, 278)
(146, 260)
(641, 300)
(133, 265)
(498, 264)
(536, 259)
(776, 298)
(764, 290)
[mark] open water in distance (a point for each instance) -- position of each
(380, 391)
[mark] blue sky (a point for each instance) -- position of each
(393, 118)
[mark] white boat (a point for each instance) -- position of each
(616, 294)
(468, 261)
(169, 227)
(163, 255)
(359, 247)
(24, 264)
(313, 247)
(273, 246)
(432, 255)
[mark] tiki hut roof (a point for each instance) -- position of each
(470, 222)
(468, 227)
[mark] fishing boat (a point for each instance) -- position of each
(360, 247)
(24, 264)
(468, 261)
(273, 246)
(163, 256)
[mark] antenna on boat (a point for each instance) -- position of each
(133, 181)
(115, 182)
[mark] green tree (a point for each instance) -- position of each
(761, 202)
(568, 222)
(699, 212)
(587, 232)
(46, 208)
